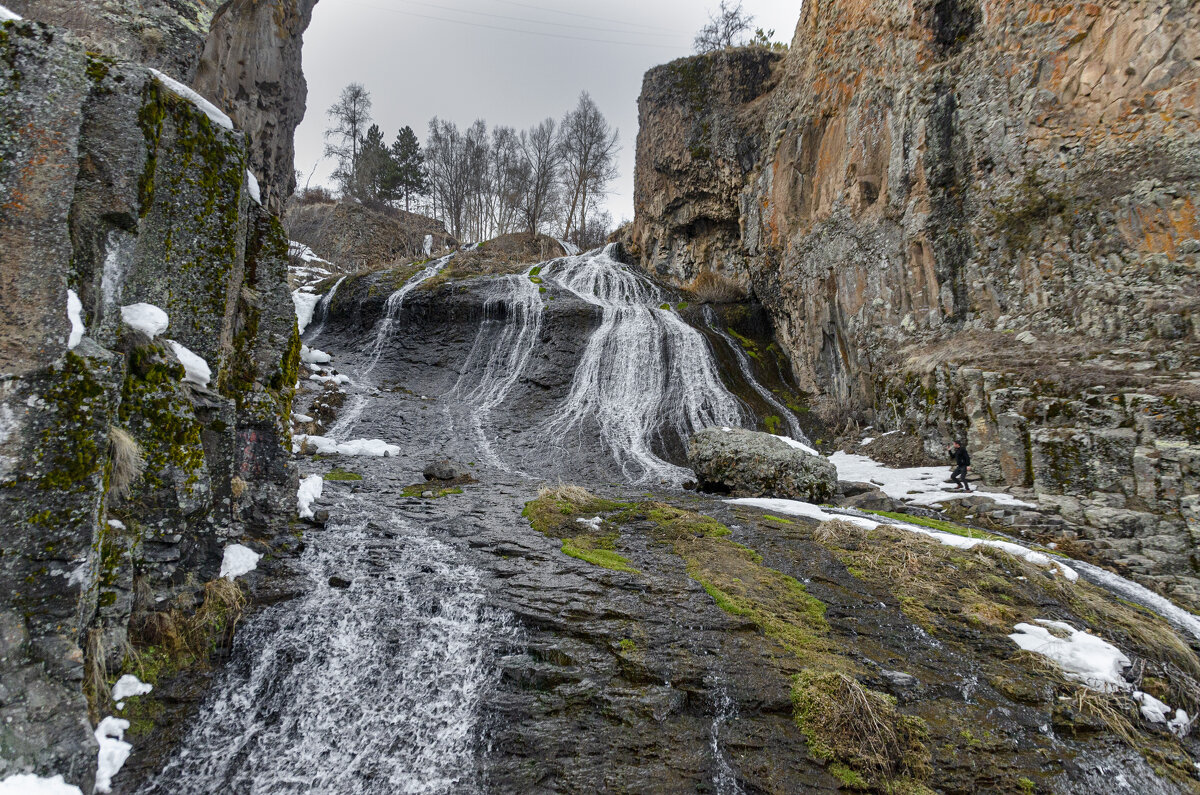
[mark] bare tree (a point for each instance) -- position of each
(588, 147)
(509, 180)
(448, 173)
(540, 151)
(351, 115)
(726, 28)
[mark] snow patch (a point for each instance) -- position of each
(314, 356)
(214, 114)
(1083, 657)
(238, 560)
(1151, 708)
(75, 315)
(9, 16)
(428, 245)
(305, 304)
(127, 687)
(113, 751)
(301, 417)
(327, 446)
(808, 510)
(790, 442)
(916, 485)
(309, 492)
(27, 783)
(340, 378)
(146, 318)
(195, 369)
(593, 523)
(252, 184)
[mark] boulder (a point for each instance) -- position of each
(752, 464)
(445, 469)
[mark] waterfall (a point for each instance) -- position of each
(793, 424)
(644, 370)
(392, 308)
(506, 340)
(321, 313)
(374, 687)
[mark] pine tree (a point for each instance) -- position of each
(375, 166)
(407, 178)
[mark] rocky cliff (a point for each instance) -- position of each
(965, 218)
(124, 472)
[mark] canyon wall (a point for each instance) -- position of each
(118, 189)
(967, 219)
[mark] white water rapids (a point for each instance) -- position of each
(358, 690)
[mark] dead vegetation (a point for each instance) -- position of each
(127, 461)
(710, 287)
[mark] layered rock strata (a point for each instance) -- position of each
(965, 218)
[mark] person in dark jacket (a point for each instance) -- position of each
(962, 462)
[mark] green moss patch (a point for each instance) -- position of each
(429, 491)
(338, 474)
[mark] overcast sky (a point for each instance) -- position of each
(510, 62)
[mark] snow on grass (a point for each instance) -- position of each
(27, 783)
(146, 318)
(1151, 708)
(309, 492)
(238, 560)
(113, 751)
(1142, 595)
(252, 184)
(75, 315)
(916, 485)
(127, 687)
(798, 508)
(363, 447)
(314, 356)
(1082, 656)
(593, 523)
(305, 304)
(195, 369)
(9, 16)
(214, 114)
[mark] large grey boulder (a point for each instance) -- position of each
(751, 464)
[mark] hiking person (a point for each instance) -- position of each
(962, 462)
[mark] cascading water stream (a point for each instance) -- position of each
(392, 308)
(506, 340)
(321, 312)
(644, 370)
(793, 424)
(373, 687)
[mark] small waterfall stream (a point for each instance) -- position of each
(793, 424)
(321, 312)
(391, 309)
(367, 688)
(501, 352)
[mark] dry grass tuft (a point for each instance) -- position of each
(576, 495)
(710, 287)
(858, 727)
(127, 462)
(840, 533)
